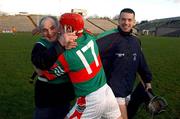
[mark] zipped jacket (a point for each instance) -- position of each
(122, 58)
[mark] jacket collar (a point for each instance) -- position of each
(124, 33)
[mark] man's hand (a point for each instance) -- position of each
(148, 86)
(68, 40)
(38, 71)
(35, 31)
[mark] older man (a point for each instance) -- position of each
(52, 98)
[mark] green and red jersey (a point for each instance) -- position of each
(55, 79)
(83, 66)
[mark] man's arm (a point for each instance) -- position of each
(144, 72)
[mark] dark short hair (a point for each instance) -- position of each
(127, 10)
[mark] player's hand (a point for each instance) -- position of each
(70, 45)
(38, 71)
(68, 40)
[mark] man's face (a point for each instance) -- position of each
(49, 31)
(126, 21)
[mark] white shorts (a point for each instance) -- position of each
(124, 100)
(97, 105)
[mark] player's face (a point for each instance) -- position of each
(49, 31)
(126, 21)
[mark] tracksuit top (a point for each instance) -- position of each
(122, 58)
(82, 64)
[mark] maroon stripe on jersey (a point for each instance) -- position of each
(63, 61)
(82, 75)
(48, 75)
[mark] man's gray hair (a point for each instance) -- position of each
(43, 19)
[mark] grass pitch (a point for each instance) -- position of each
(16, 94)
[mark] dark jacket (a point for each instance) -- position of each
(50, 94)
(122, 58)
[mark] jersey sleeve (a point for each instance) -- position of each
(44, 58)
(106, 49)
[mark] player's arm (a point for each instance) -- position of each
(43, 58)
(106, 53)
(104, 44)
(144, 71)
